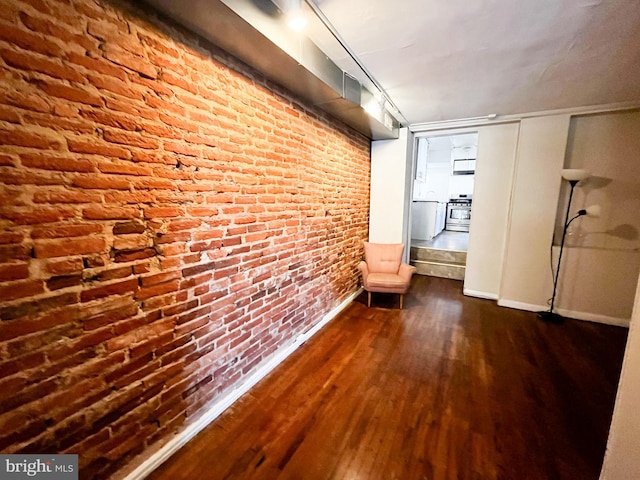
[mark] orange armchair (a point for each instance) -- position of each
(383, 270)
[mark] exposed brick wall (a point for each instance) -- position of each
(168, 219)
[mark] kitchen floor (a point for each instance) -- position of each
(446, 240)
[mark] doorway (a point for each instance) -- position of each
(442, 200)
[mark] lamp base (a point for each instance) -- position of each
(551, 317)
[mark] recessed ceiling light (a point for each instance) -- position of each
(297, 23)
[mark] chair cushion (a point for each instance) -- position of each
(383, 258)
(386, 280)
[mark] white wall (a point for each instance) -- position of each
(601, 260)
(437, 186)
(526, 277)
(390, 187)
(621, 460)
(489, 215)
(461, 185)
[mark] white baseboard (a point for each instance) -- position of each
(586, 316)
(160, 456)
(594, 317)
(530, 307)
(477, 294)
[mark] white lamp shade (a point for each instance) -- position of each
(594, 210)
(574, 174)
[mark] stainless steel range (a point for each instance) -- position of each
(459, 214)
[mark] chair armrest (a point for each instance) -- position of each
(364, 269)
(406, 271)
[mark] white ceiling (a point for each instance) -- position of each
(454, 59)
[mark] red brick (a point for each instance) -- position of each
(65, 110)
(156, 290)
(135, 63)
(160, 45)
(172, 249)
(94, 261)
(125, 169)
(67, 247)
(29, 138)
(110, 316)
(57, 162)
(23, 177)
(58, 30)
(66, 196)
(96, 64)
(110, 213)
(136, 254)
(118, 288)
(13, 271)
(65, 231)
(112, 85)
(184, 224)
(129, 108)
(30, 308)
(128, 242)
(102, 183)
(128, 228)
(25, 101)
(66, 266)
(73, 94)
(58, 122)
(20, 289)
(106, 30)
(150, 280)
(178, 81)
(35, 215)
(110, 118)
(179, 123)
(7, 160)
(29, 41)
(29, 61)
(153, 184)
(96, 147)
(202, 211)
(181, 148)
(111, 274)
(64, 281)
(163, 212)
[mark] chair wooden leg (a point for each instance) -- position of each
(401, 301)
(369, 299)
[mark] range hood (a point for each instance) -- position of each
(256, 32)
(464, 166)
(463, 156)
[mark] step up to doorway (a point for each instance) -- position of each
(439, 263)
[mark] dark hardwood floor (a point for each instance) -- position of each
(451, 387)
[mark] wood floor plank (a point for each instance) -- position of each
(450, 387)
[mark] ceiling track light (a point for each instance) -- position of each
(295, 16)
(329, 26)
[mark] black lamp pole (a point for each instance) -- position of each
(550, 316)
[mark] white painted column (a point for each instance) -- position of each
(390, 176)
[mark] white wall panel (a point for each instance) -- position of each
(526, 279)
(489, 214)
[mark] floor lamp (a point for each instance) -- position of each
(573, 176)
